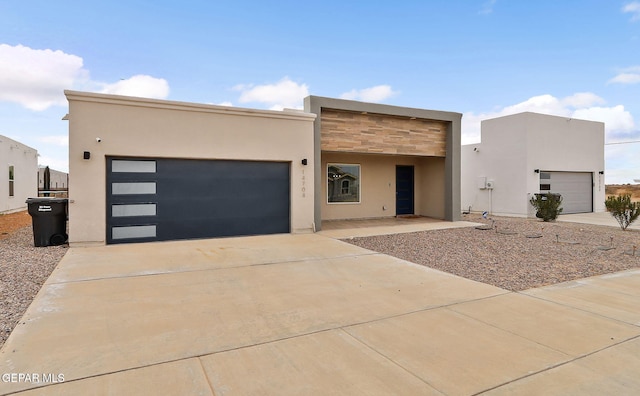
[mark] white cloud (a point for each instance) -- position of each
(53, 163)
(630, 75)
(582, 99)
(139, 85)
(374, 94)
(58, 140)
(228, 104)
(36, 78)
(282, 94)
(634, 9)
(622, 163)
(581, 106)
(626, 78)
(487, 7)
(615, 118)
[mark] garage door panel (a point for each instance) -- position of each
(221, 211)
(225, 227)
(576, 189)
(245, 190)
(197, 199)
(233, 205)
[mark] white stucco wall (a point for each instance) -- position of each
(500, 158)
(514, 146)
(569, 145)
(25, 164)
(156, 128)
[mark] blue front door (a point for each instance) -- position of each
(404, 190)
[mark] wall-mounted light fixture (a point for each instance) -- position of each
(536, 170)
(601, 172)
(86, 155)
(304, 161)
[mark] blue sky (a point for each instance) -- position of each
(578, 58)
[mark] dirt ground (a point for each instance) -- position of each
(619, 189)
(12, 222)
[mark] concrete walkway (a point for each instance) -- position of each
(311, 315)
(598, 218)
(344, 229)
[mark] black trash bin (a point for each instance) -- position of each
(49, 219)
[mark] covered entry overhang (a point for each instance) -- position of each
(407, 160)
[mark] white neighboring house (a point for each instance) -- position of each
(18, 174)
(527, 153)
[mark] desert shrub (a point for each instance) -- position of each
(623, 210)
(548, 206)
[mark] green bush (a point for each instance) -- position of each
(547, 206)
(623, 210)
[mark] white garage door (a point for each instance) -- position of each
(576, 189)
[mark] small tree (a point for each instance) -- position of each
(547, 206)
(623, 210)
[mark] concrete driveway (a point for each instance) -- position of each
(310, 315)
(596, 218)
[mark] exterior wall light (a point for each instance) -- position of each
(601, 172)
(536, 170)
(86, 155)
(304, 161)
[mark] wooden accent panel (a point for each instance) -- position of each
(345, 131)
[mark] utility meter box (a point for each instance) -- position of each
(482, 182)
(490, 184)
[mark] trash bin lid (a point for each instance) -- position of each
(46, 200)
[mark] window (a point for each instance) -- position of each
(11, 180)
(133, 166)
(345, 187)
(343, 183)
(546, 184)
(132, 188)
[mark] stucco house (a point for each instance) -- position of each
(18, 176)
(528, 153)
(148, 170)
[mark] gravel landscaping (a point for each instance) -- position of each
(519, 254)
(23, 269)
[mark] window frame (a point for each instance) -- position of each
(358, 180)
(12, 181)
(345, 185)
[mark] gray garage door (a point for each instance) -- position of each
(153, 199)
(576, 189)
